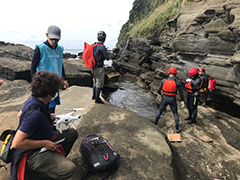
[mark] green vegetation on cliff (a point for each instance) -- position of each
(149, 16)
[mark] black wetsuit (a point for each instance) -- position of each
(169, 100)
(192, 100)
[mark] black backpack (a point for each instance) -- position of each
(98, 156)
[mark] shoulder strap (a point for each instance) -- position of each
(39, 108)
(31, 108)
(96, 57)
(111, 172)
(87, 170)
(200, 86)
(27, 110)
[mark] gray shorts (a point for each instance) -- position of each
(99, 74)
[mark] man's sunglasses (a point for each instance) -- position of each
(54, 39)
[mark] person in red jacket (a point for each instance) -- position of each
(169, 87)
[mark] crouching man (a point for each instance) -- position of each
(35, 132)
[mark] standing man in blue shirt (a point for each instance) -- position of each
(48, 56)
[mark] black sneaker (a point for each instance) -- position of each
(191, 122)
(188, 118)
(178, 130)
(99, 101)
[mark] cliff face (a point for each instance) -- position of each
(203, 34)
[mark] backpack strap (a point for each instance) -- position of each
(39, 108)
(34, 107)
(96, 57)
(27, 110)
(200, 86)
(111, 172)
(87, 170)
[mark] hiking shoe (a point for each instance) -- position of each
(93, 97)
(99, 101)
(178, 130)
(188, 118)
(191, 122)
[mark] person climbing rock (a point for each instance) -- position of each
(192, 85)
(169, 87)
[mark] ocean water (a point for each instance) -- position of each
(73, 51)
(130, 96)
(133, 97)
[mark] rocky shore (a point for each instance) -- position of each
(204, 34)
(146, 152)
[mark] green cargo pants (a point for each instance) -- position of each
(52, 165)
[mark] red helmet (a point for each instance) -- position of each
(202, 69)
(192, 72)
(172, 70)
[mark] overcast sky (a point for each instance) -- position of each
(26, 21)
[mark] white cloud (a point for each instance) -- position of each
(26, 21)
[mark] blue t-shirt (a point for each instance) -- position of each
(36, 125)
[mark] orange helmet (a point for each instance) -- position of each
(192, 72)
(172, 70)
(202, 69)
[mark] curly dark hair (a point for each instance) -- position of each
(45, 83)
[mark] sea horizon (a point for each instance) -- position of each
(73, 51)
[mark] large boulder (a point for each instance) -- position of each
(77, 73)
(13, 94)
(15, 51)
